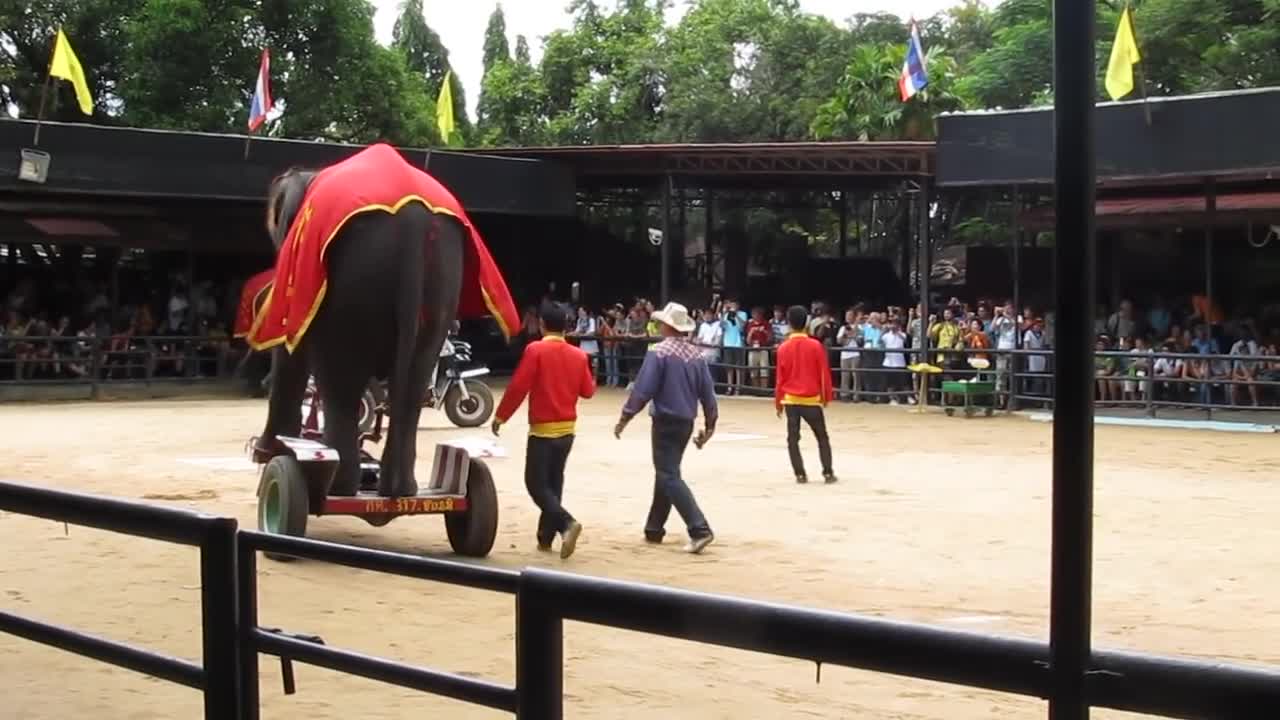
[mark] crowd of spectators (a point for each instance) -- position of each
(69, 333)
(1143, 354)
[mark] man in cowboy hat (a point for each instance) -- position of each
(676, 379)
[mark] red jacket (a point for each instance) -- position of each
(553, 374)
(804, 376)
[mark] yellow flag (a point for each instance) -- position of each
(66, 65)
(1124, 55)
(444, 108)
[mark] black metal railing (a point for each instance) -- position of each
(233, 640)
(218, 678)
(288, 647)
(865, 376)
(95, 361)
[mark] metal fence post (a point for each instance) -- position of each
(539, 656)
(95, 367)
(247, 588)
(218, 620)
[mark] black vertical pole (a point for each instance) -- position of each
(539, 656)
(924, 266)
(709, 237)
(844, 225)
(1211, 217)
(221, 640)
(665, 249)
(1074, 255)
(1012, 401)
(247, 570)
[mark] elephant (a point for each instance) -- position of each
(390, 300)
(375, 261)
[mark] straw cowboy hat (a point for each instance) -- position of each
(676, 316)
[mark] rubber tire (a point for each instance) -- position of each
(480, 392)
(284, 477)
(472, 533)
(369, 402)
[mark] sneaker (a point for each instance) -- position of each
(653, 539)
(569, 539)
(801, 479)
(829, 478)
(697, 545)
(894, 402)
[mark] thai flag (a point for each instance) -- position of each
(261, 104)
(913, 78)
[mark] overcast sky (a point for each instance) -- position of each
(461, 24)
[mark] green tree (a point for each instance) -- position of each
(496, 49)
(522, 50)
(425, 54)
(96, 30)
(187, 66)
(866, 104)
(337, 82)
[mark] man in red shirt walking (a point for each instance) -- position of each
(803, 390)
(553, 374)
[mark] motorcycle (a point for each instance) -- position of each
(466, 400)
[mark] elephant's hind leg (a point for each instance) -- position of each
(341, 432)
(401, 450)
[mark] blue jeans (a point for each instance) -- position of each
(670, 437)
(612, 377)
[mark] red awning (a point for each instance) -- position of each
(1191, 208)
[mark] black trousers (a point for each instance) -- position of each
(669, 439)
(817, 422)
(544, 462)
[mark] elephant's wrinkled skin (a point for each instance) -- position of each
(393, 287)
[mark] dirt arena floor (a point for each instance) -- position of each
(936, 519)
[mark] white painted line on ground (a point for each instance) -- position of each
(973, 620)
(1217, 425)
(228, 464)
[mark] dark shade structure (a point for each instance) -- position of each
(1224, 134)
(123, 162)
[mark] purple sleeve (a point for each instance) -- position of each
(647, 384)
(707, 394)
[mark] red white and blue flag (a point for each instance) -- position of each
(914, 78)
(261, 103)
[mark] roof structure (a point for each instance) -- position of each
(1229, 136)
(95, 161)
(740, 165)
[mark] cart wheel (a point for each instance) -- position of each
(283, 502)
(951, 412)
(472, 533)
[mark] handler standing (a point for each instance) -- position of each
(554, 374)
(675, 377)
(803, 390)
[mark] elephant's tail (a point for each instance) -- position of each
(408, 311)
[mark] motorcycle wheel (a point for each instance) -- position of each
(374, 395)
(472, 411)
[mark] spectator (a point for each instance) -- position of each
(1244, 372)
(759, 337)
(946, 336)
(1170, 373)
(1205, 370)
(1104, 368)
(585, 330)
(1123, 323)
(872, 360)
(734, 322)
(610, 329)
(849, 337)
(897, 379)
(780, 327)
(1033, 339)
(710, 337)
(1158, 317)
(19, 328)
(1138, 386)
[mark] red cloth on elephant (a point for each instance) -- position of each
(378, 179)
(253, 287)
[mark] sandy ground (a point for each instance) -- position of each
(935, 519)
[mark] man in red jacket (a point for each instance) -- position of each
(803, 390)
(553, 374)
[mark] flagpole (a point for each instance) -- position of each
(248, 138)
(1142, 74)
(44, 93)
